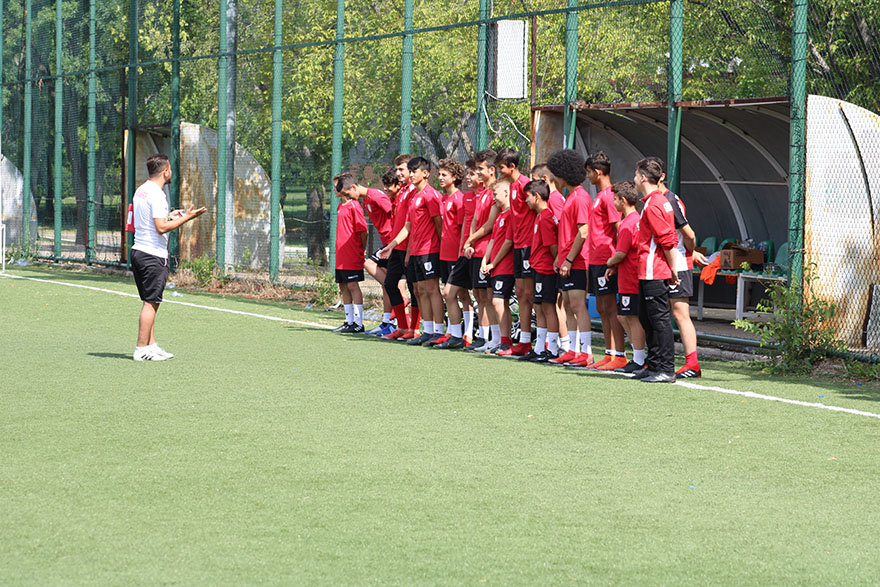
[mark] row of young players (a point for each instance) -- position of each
(509, 233)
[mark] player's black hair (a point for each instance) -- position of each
(453, 167)
(507, 156)
(567, 165)
(538, 187)
(651, 168)
(658, 161)
(402, 158)
(418, 163)
(390, 178)
(156, 164)
(343, 181)
(599, 161)
(487, 156)
(470, 164)
(627, 191)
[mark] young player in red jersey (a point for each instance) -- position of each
(450, 175)
(498, 265)
(523, 221)
(625, 265)
(545, 245)
(604, 219)
(485, 212)
(656, 233)
(555, 203)
(380, 206)
(397, 268)
(567, 166)
(351, 240)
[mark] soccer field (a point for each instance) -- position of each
(275, 451)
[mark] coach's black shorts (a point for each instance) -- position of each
(349, 275)
(599, 285)
(546, 288)
(521, 267)
(478, 280)
(377, 260)
(628, 304)
(577, 279)
(685, 289)
(425, 267)
(460, 275)
(150, 275)
(502, 286)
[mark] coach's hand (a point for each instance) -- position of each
(610, 271)
(673, 281)
(193, 212)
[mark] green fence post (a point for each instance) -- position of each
(673, 146)
(174, 156)
(59, 117)
(797, 161)
(482, 41)
(275, 204)
(2, 42)
(130, 151)
(338, 95)
(26, 147)
(222, 64)
(571, 75)
(92, 128)
(406, 79)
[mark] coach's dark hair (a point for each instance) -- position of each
(651, 168)
(453, 167)
(402, 158)
(156, 164)
(599, 161)
(418, 163)
(390, 178)
(538, 187)
(343, 181)
(487, 156)
(627, 191)
(568, 165)
(507, 156)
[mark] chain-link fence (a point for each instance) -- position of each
(90, 89)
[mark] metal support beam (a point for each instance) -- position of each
(131, 104)
(797, 149)
(571, 76)
(673, 146)
(92, 135)
(26, 147)
(338, 96)
(222, 70)
(58, 161)
(174, 156)
(406, 79)
(275, 200)
(482, 46)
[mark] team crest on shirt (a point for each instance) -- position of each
(525, 263)
(428, 265)
(538, 287)
(418, 202)
(500, 224)
(601, 281)
(499, 284)
(624, 301)
(667, 206)
(536, 229)
(449, 205)
(369, 209)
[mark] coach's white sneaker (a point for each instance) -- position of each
(148, 353)
(159, 350)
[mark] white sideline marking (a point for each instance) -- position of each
(191, 305)
(749, 394)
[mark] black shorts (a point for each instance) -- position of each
(577, 279)
(425, 267)
(349, 275)
(478, 280)
(521, 267)
(460, 275)
(628, 304)
(546, 288)
(685, 289)
(599, 286)
(502, 286)
(377, 260)
(150, 275)
(410, 272)
(446, 270)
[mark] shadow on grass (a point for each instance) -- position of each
(126, 356)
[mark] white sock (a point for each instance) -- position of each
(525, 336)
(576, 341)
(349, 313)
(496, 333)
(455, 330)
(427, 327)
(540, 339)
(565, 344)
(553, 342)
(483, 332)
(438, 327)
(639, 356)
(386, 317)
(584, 338)
(359, 314)
(468, 321)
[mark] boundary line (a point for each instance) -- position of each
(689, 385)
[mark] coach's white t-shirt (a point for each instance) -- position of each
(150, 202)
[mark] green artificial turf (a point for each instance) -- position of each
(271, 452)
